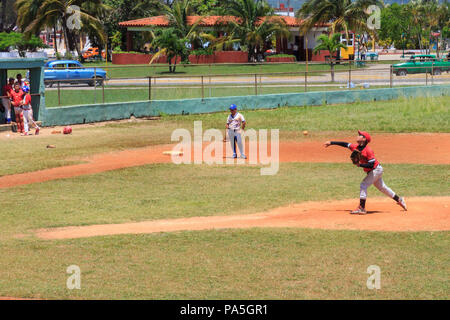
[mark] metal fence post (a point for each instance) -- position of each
(95, 85)
(306, 81)
(256, 84)
(150, 88)
(59, 95)
(349, 72)
(103, 91)
(432, 73)
(390, 76)
(203, 89)
(426, 75)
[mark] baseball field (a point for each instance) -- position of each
(107, 200)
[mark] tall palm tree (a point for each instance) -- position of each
(170, 43)
(27, 11)
(255, 24)
(178, 14)
(61, 11)
(343, 15)
(331, 43)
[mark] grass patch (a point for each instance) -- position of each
(174, 191)
(71, 97)
(231, 264)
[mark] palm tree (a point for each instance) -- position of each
(170, 44)
(255, 24)
(27, 11)
(342, 15)
(331, 43)
(51, 11)
(178, 14)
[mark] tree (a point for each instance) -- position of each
(35, 15)
(255, 25)
(169, 43)
(343, 15)
(8, 17)
(331, 43)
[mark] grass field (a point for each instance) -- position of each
(254, 263)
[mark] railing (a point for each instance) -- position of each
(181, 86)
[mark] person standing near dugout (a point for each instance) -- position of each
(364, 157)
(28, 113)
(17, 102)
(235, 123)
(7, 88)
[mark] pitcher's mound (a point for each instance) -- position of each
(424, 214)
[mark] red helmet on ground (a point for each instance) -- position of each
(365, 135)
(67, 130)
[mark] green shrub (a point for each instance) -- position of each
(281, 55)
(202, 51)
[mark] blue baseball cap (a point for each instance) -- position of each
(233, 107)
(26, 89)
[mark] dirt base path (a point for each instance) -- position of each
(424, 214)
(389, 148)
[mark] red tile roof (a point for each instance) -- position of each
(208, 21)
(162, 21)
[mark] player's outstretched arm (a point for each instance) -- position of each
(336, 143)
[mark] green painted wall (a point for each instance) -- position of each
(114, 111)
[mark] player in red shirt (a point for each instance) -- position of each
(373, 169)
(28, 112)
(6, 99)
(17, 101)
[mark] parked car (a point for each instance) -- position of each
(371, 56)
(420, 64)
(73, 72)
(93, 53)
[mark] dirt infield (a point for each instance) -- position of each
(389, 148)
(424, 214)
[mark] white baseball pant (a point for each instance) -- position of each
(7, 104)
(375, 177)
(235, 135)
(28, 119)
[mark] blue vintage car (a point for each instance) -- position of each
(70, 72)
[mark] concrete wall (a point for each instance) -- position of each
(114, 111)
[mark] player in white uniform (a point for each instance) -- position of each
(236, 123)
(28, 112)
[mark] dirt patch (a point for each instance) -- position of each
(389, 148)
(14, 298)
(424, 214)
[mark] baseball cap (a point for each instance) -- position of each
(233, 107)
(25, 88)
(365, 135)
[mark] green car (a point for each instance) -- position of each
(420, 64)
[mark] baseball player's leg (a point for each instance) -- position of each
(240, 145)
(7, 104)
(25, 121)
(231, 136)
(365, 184)
(380, 185)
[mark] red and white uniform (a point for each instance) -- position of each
(17, 99)
(367, 156)
(28, 113)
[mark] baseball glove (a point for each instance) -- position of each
(355, 156)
